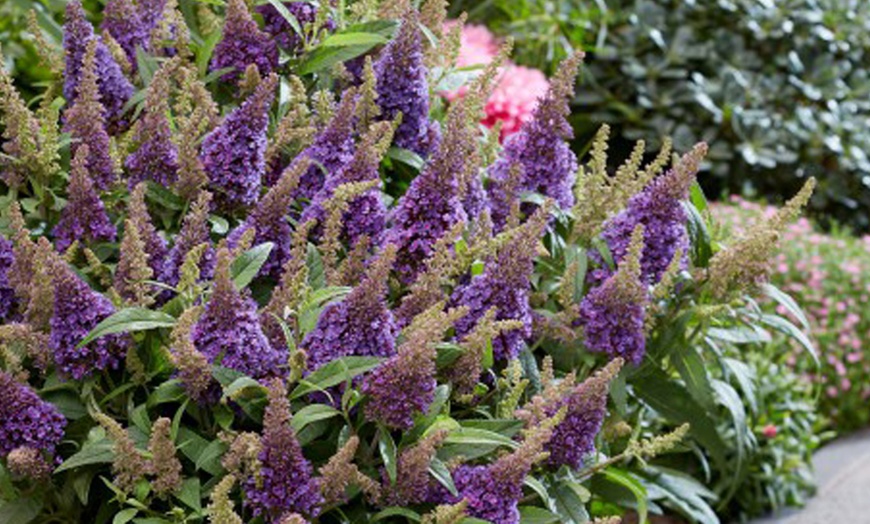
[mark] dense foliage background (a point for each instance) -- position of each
(779, 89)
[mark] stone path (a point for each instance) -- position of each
(843, 476)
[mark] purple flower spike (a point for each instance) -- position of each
(658, 208)
(361, 324)
(8, 301)
(613, 314)
(27, 421)
(127, 25)
(77, 310)
(431, 206)
(366, 214)
(233, 155)
(505, 285)
(541, 148)
(285, 482)
(332, 149)
(574, 438)
(243, 44)
(115, 89)
(229, 331)
(402, 88)
(84, 218)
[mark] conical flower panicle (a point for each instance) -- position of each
(658, 208)
(403, 89)
(505, 285)
(333, 148)
(549, 165)
(27, 421)
(412, 472)
(124, 21)
(493, 491)
(86, 124)
(194, 370)
(77, 310)
(431, 206)
(233, 154)
(270, 220)
(243, 44)
(747, 262)
(340, 472)
(361, 324)
(115, 89)
(137, 213)
(194, 231)
(20, 134)
(8, 300)
(585, 409)
(156, 159)
(612, 315)
(229, 331)
(84, 218)
(285, 482)
(133, 269)
(404, 385)
(366, 214)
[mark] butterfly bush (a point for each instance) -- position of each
(280, 278)
(826, 274)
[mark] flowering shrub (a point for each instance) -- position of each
(827, 274)
(214, 310)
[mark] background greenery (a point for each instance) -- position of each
(779, 89)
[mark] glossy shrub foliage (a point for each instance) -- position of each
(778, 89)
(254, 269)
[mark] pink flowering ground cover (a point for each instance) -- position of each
(829, 276)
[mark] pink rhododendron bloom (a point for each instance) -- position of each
(518, 89)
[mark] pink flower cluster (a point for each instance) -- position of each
(518, 89)
(829, 277)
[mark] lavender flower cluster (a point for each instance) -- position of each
(403, 292)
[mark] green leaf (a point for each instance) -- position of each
(749, 334)
(686, 494)
(396, 512)
(354, 39)
(406, 156)
(312, 413)
(568, 504)
(625, 479)
(691, 368)
(100, 452)
(506, 427)
(785, 300)
(324, 58)
(240, 384)
(125, 515)
(441, 472)
(472, 443)
(287, 15)
(191, 494)
(674, 402)
(782, 325)
(246, 266)
(534, 515)
(699, 236)
(387, 448)
(210, 458)
(128, 320)
(336, 372)
(20, 511)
